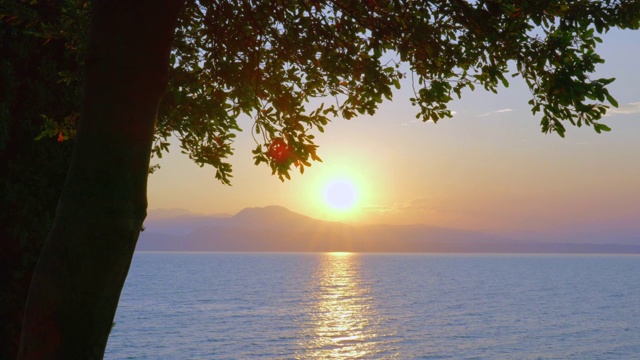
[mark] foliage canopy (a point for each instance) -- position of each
(268, 59)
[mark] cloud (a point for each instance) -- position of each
(395, 208)
(629, 108)
(434, 211)
(418, 205)
(382, 209)
(495, 112)
(399, 207)
(410, 122)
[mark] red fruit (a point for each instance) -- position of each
(279, 151)
(60, 137)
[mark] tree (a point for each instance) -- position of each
(267, 59)
(40, 75)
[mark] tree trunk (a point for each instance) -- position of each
(81, 270)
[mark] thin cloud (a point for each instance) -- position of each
(629, 108)
(495, 112)
(410, 122)
(396, 208)
(418, 205)
(381, 209)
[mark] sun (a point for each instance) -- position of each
(340, 195)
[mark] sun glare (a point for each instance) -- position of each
(340, 253)
(340, 195)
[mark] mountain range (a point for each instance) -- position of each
(277, 229)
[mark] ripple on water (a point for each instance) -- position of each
(319, 306)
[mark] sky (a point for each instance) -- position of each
(489, 168)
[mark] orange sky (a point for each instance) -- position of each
(489, 168)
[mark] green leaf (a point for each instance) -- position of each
(601, 127)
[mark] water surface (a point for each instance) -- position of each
(378, 306)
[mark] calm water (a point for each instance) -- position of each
(323, 306)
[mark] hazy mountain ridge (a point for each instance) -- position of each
(278, 229)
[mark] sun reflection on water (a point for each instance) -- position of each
(343, 322)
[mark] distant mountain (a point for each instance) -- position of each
(273, 217)
(277, 229)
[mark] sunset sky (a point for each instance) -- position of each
(488, 168)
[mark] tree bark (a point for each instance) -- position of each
(81, 270)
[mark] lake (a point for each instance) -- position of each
(378, 306)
